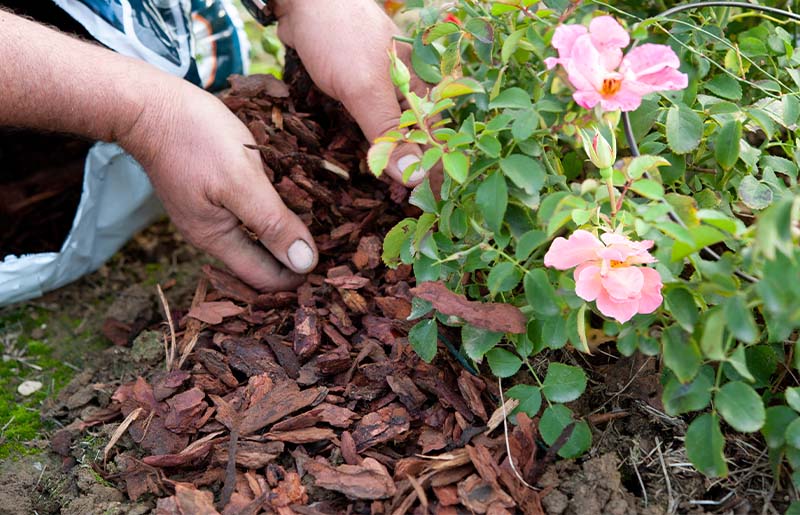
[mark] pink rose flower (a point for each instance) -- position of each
(600, 73)
(607, 272)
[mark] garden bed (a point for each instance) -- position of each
(313, 402)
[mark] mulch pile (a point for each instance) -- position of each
(312, 401)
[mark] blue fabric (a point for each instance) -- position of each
(201, 40)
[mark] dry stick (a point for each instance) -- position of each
(639, 477)
(666, 474)
(133, 415)
(170, 353)
(230, 468)
(505, 433)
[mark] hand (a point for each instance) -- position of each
(193, 149)
(344, 46)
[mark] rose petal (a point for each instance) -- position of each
(564, 253)
(649, 68)
(624, 283)
(651, 291)
(626, 99)
(609, 38)
(564, 38)
(588, 282)
(622, 311)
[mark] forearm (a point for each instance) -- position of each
(52, 81)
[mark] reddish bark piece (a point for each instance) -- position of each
(286, 357)
(354, 301)
(370, 480)
(432, 440)
(258, 84)
(334, 362)
(394, 307)
(411, 396)
(185, 411)
(284, 399)
(250, 455)
(192, 501)
(469, 387)
(350, 282)
(379, 328)
(446, 393)
(180, 459)
(253, 359)
(61, 442)
(294, 196)
(214, 312)
(302, 436)
(280, 299)
(116, 331)
(381, 426)
(229, 286)
(139, 478)
(447, 495)
(307, 336)
(343, 230)
(348, 449)
(368, 254)
(336, 416)
(216, 363)
(477, 495)
(289, 491)
(492, 316)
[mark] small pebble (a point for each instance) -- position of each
(29, 388)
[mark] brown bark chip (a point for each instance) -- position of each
(381, 426)
(502, 318)
(370, 480)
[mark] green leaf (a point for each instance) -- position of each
(702, 236)
(503, 277)
(515, 98)
(648, 188)
(725, 86)
(552, 424)
(395, 239)
(510, 44)
(777, 420)
(705, 445)
(438, 31)
(793, 397)
(641, 164)
(681, 354)
(684, 129)
(456, 164)
(422, 197)
(712, 341)
(458, 87)
(791, 109)
(503, 363)
(738, 360)
(524, 124)
(478, 342)
(529, 397)
(681, 304)
(563, 383)
(540, 294)
(524, 172)
(423, 338)
(492, 200)
(681, 398)
(740, 319)
(489, 145)
(793, 434)
(740, 406)
(529, 242)
(726, 144)
(754, 193)
(481, 29)
(378, 156)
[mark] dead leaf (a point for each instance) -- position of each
(214, 312)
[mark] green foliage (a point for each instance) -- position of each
(715, 189)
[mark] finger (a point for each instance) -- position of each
(250, 262)
(257, 204)
(376, 110)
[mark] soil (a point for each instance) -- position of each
(312, 401)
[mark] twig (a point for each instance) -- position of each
(230, 469)
(505, 433)
(133, 415)
(666, 475)
(639, 477)
(170, 353)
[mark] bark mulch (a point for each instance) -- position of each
(312, 401)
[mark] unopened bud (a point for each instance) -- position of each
(601, 153)
(401, 77)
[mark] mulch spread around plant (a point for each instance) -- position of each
(311, 401)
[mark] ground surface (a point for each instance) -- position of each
(316, 393)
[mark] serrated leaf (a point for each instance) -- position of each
(648, 188)
(726, 144)
(754, 193)
(422, 197)
(524, 172)
(438, 31)
(740, 319)
(712, 340)
(511, 44)
(738, 360)
(641, 164)
(492, 200)
(679, 398)
(478, 342)
(684, 129)
(524, 124)
(395, 238)
(378, 156)
(681, 354)
(516, 98)
(503, 277)
(682, 306)
(503, 363)
(777, 420)
(540, 294)
(554, 420)
(705, 446)
(456, 164)
(529, 397)
(423, 338)
(793, 397)
(740, 406)
(563, 383)
(725, 86)
(458, 87)
(792, 434)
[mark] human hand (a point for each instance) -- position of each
(193, 149)
(344, 46)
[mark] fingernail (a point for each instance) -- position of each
(301, 256)
(408, 160)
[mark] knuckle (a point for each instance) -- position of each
(274, 226)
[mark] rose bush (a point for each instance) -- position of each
(653, 153)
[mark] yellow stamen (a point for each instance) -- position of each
(610, 86)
